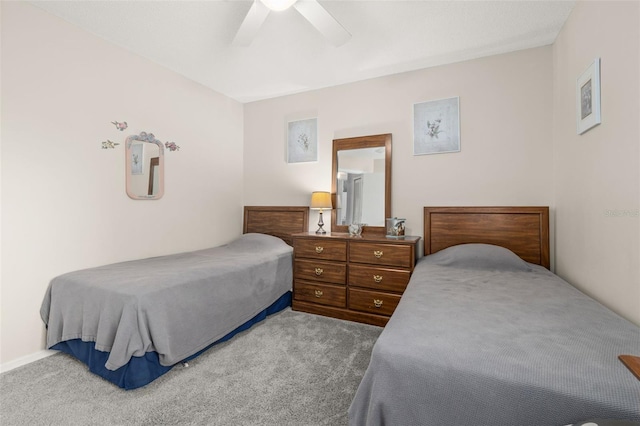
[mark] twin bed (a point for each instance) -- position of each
(131, 322)
(484, 334)
(483, 337)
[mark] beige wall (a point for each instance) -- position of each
(596, 179)
(505, 109)
(64, 205)
(519, 145)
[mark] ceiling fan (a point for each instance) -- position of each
(313, 12)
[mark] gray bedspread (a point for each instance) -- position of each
(494, 343)
(175, 305)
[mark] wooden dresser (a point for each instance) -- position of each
(353, 278)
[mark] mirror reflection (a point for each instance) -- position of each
(144, 167)
(361, 186)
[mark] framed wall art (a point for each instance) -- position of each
(302, 141)
(588, 98)
(436, 126)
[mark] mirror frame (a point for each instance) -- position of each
(146, 138)
(359, 142)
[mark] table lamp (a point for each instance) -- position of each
(321, 200)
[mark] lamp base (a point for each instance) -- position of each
(320, 230)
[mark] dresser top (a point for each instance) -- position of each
(373, 237)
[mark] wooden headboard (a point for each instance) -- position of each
(278, 221)
(523, 230)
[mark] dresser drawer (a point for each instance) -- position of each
(381, 254)
(379, 278)
(330, 272)
(374, 302)
(319, 248)
(322, 294)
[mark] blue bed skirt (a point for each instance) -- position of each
(143, 370)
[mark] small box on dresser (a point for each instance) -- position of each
(354, 278)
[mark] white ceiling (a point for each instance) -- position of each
(289, 55)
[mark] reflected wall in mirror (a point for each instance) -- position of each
(144, 167)
(361, 182)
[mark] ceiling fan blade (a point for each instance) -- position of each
(251, 24)
(322, 20)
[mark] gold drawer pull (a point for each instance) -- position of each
(377, 253)
(377, 278)
(319, 271)
(319, 293)
(319, 249)
(377, 303)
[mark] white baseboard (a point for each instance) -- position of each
(4, 367)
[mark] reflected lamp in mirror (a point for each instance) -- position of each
(319, 201)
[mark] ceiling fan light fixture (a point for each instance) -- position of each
(278, 5)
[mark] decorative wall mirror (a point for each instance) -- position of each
(144, 167)
(361, 182)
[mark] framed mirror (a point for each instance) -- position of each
(144, 167)
(361, 182)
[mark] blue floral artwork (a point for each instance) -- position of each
(302, 141)
(588, 98)
(436, 126)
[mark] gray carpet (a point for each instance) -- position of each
(292, 369)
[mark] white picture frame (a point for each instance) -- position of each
(588, 113)
(436, 126)
(302, 141)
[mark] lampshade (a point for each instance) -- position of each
(278, 5)
(321, 200)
